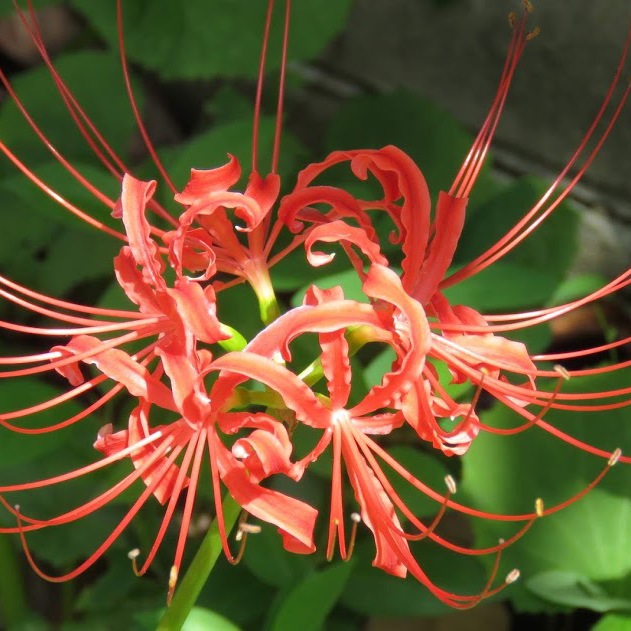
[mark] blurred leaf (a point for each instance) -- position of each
(307, 605)
(425, 468)
(547, 253)
(434, 139)
(613, 622)
(502, 286)
(95, 80)
(111, 589)
(372, 592)
(9, 9)
(505, 474)
(576, 287)
(266, 558)
(573, 590)
(21, 393)
(201, 39)
(205, 620)
(229, 586)
(35, 203)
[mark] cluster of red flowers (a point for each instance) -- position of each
(202, 371)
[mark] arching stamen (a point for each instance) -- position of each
(133, 555)
(134, 106)
(281, 89)
(259, 87)
(243, 530)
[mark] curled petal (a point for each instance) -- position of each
(134, 284)
(120, 367)
(197, 309)
(134, 198)
(295, 519)
(266, 450)
(335, 232)
(342, 204)
(203, 182)
(263, 190)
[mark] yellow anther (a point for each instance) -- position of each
(539, 507)
(560, 370)
(527, 6)
(451, 484)
(173, 577)
(535, 31)
(132, 555)
(512, 18)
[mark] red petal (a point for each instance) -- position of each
(295, 519)
(120, 367)
(448, 224)
(203, 182)
(134, 198)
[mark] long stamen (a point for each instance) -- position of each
(259, 87)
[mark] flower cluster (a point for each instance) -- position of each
(238, 402)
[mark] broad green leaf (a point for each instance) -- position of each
(547, 252)
(205, 620)
(15, 394)
(229, 586)
(426, 468)
(307, 605)
(574, 590)
(505, 474)
(31, 201)
(266, 558)
(198, 39)
(372, 592)
(613, 622)
(95, 80)
(8, 8)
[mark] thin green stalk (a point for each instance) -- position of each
(198, 572)
(13, 608)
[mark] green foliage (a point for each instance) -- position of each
(85, 73)
(202, 39)
(567, 552)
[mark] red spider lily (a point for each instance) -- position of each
(465, 340)
(179, 317)
(409, 313)
(350, 428)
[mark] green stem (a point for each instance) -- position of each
(13, 607)
(199, 570)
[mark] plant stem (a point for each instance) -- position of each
(199, 570)
(13, 608)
